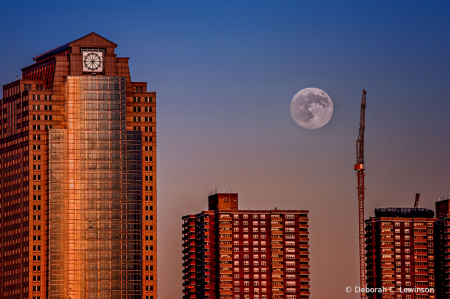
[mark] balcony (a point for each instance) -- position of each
(277, 291)
(420, 233)
(387, 226)
(387, 265)
(421, 240)
(384, 239)
(421, 246)
(420, 259)
(390, 272)
(277, 277)
(303, 266)
(277, 259)
(389, 245)
(225, 259)
(389, 233)
(277, 266)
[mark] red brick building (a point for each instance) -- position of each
(400, 250)
(245, 254)
(78, 177)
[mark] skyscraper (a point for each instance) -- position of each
(78, 178)
(400, 250)
(245, 254)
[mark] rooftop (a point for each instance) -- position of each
(404, 212)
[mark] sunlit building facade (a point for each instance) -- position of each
(78, 178)
(401, 257)
(245, 254)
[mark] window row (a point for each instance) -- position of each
(38, 107)
(38, 97)
(41, 127)
(139, 109)
(145, 119)
(145, 129)
(46, 117)
(144, 99)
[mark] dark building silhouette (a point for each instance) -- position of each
(78, 178)
(443, 248)
(245, 254)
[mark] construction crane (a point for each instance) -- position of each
(416, 202)
(359, 167)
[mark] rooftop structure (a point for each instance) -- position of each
(404, 212)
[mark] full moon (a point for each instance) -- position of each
(311, 108)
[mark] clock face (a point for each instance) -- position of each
(92, 61)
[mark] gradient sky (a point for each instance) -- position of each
(225, 73)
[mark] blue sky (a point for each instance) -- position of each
(225, 73)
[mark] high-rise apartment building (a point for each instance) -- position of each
(443, 248)
(78, 178)
(400, 250)
(245, 254)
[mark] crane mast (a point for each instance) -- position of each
(416, 201)
(359, 167)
